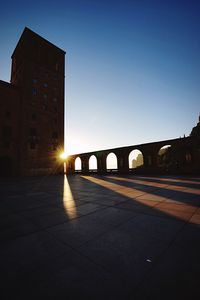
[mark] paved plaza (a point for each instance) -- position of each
(100, 237)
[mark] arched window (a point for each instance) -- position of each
(111, 162)
(188, 157)
(78, 164)
(164, 156)
(135, 159)
(93, 163)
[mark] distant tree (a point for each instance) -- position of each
(134, 163)
(138, 161)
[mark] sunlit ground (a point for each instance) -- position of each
(175, 208)
(100, 237)
(147, 197)
(68, 200)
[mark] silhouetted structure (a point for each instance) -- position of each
(182, 156)
(32, 122)
(196, 130)
(32, 108)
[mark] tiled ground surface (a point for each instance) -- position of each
(90, 237)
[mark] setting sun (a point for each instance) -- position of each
(63, 155)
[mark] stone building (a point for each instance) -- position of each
(179, 156)
(32, 109)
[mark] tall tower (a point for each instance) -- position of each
(38, 70)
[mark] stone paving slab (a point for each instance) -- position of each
(100, 237)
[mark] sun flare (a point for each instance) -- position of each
(63, 155)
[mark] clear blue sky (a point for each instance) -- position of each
(132, 67)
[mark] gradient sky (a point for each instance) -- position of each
(132, 67)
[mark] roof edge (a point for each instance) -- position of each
(26, 29)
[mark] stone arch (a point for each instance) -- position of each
(93, 163)
(111, 162)
(135, 159)
(78, 164)
(164, 156)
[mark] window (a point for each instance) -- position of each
(33, 117)
(32, 145)
(54, 147)
(7, 114)
(6, 136)
(188, 157)
(54, 135)
(6, 132)
(33, 132)
(6, 144)
(34, 91)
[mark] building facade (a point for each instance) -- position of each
(32, 109)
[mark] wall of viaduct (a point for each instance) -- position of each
(183, 158)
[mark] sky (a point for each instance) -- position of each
(132, 67)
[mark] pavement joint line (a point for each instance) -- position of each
(48, 227)
(77, 249)
(193, 215)
(69, 220)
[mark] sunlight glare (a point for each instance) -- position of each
(68, 200)
(63, 155)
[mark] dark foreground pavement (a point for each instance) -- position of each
(90, 237)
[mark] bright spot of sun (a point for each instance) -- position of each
(63, 155)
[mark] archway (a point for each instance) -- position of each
(111, 162)
(93, 163)
(164, 157)
(135, 159)
(78, 164)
